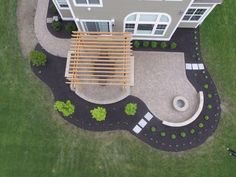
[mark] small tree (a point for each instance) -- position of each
(66, 109)
(99, 114)
(37, 58)
(130, 109)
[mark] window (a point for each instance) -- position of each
(147, 23)
(88, 3)
(194, 14)
(96, 26)
(62, 4)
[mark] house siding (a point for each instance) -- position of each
(118, 10)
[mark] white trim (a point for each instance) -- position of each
(90, 20)
(61, 8)
(88, 5)
(58, 9)
(154, 23)
(203, 16)
(207, 13)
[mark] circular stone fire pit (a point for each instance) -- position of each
(180, 103)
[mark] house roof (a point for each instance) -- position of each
(208, 1)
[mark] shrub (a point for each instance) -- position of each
(145, 44)
(130, 109)
(206, 86)
(206, 117)
(163, 134)
(136, 44)
(154, 44)
(173, 45)
(56, 25)
(99, 114)
(163, 45)
(66, 109)
(209, 106)
(183, 134)
(200, 125)
(209, 95)
(192, 131)
(173, 136)
(38, 58)
(53, 9)
(71, 27)
(153, 129)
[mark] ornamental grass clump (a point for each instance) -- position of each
(131, 109)
(146, 44)
(164, 45)
(173, 45)
(99, 114)
(154, 44)
(37, 58)
(66, 108)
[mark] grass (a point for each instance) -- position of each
(35, 142)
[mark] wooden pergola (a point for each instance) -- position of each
(100, 58)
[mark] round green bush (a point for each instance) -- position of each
(200, 125)
(136, 44)
(173, 45)
(66, 109)
(164, 45)
(192, 131)
(206, 86)
(209, 106)
(56, 26)
(131, 109)
(153, 129)
(206, 117)
(209, 95)
(163, 134)
(183, 134)
(173, 136)
(154, 44)
(146, 44)
(38, 58)
(70, 27)
(99, 113)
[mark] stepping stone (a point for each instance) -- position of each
(49, 20)
(188, 66)
(148, 116)
(137, 129)
(195, 66)
(142, 123)
(201, 66)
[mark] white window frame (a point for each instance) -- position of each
(61, 8)
(89, 20)
(155, 23)
(200, 19)
(87, 4)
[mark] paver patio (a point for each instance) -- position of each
(159, 77)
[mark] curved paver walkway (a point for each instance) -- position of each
(56, 46)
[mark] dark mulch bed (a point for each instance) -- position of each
(53, 75)
(59, 34)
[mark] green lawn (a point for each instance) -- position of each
(35, 142)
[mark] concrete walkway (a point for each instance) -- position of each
(55, 46)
